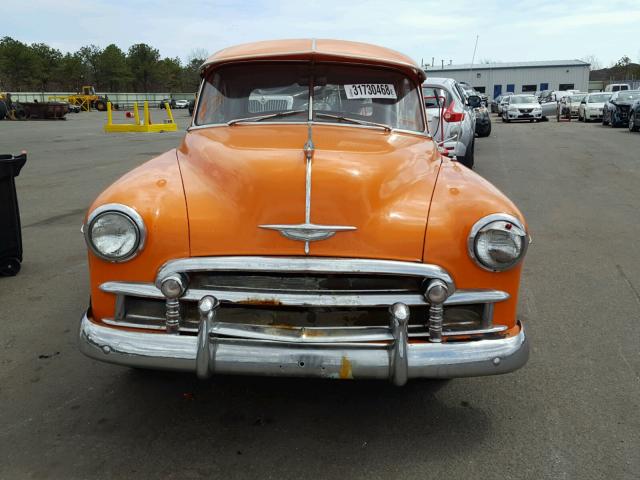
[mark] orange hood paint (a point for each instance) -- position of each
(237, 178)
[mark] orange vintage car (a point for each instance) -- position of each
(307, 225)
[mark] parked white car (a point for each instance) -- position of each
(182, 104)
(574, 101)
(522, 107)
(549, 100)
(503, 102)
(616, 87)
(591, 106)
(451, 117)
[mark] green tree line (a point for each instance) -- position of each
(38, 67)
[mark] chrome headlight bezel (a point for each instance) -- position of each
(484, 222)
(129, 214)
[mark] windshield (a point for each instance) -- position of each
(273, 92)
(576, 98)
(628, 95)
(600, 98)
(524, 99)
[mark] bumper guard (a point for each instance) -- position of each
(227, 349)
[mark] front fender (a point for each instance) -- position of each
(155, 191)
(460, 199)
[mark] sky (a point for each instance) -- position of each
(507, 30)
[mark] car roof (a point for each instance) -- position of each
(321, 49)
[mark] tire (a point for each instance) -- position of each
(469, 156)
(9, 267)
(633, 126)
(531, 121)
(21, 114)
(101, 106)
(486, 132)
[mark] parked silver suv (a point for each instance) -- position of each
(451, 117)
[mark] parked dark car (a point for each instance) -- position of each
(483, 118)
(483, 121)
(494, 104)
(634, 117)
(616, 111)
(170, 101)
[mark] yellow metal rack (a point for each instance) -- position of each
(168, 126)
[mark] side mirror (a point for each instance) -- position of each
(474, 101)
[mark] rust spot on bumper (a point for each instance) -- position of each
(345, 369)
(262, 301)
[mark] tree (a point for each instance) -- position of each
(592, 60)
(70, 72)
(623, 62)
(89, 55)
(112, 69)
(143, 62)
(170, 74)
(18, 63)
(39, 66)
(191, 75)
(48, 61)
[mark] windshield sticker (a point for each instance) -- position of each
(370, 90)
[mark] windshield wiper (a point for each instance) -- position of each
(387, 128)
(259, 118)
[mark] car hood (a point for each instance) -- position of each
(241, 177)
(595, 105)
(526, 105)
(626, 103)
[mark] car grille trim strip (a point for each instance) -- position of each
(460, 297)
(311, 335)
(309, 265)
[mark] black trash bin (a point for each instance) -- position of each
(10, 235)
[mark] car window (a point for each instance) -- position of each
(461, 93)
(363, 93)
(627, 95)
(598, 98)
(430, 100)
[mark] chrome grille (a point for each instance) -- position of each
(304, 293)
(149, 313)
(270, 104)
(292, 282)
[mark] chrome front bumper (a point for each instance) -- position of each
(398, 360)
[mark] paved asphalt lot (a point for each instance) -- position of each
(572, 413)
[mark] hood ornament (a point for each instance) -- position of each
(308, 232)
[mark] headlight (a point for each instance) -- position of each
(115, 232)
(497, 242)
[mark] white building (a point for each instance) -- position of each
(519, 77)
